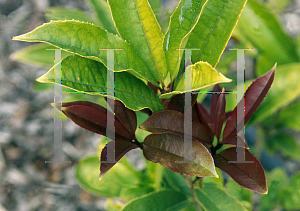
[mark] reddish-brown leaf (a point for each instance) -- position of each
(254, 95)
(126, 117)
(220, 114)
(200, 114)
(214, 100)
(177, 102)
(248, 175)
(166, 149)
(92, 117)
(173, 122)
(121, 148)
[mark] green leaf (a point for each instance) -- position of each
(103, 14)
(120, 176)
(86, 39)
(37, 54)
(181, 24)
(210, 192)
(287, 117)
(266, 33)
(203, 75)
(285, 89)
(243, 195)
(63, 13)
(277, 181)
(290, 197)
(214, 29)
(87, 75)
(177, 182)
(166, 149)
(218, 181)
(142, 31)
(164, 200)
(286, 144)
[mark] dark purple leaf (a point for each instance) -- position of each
(166, 149)
(248, 175)
(121, 148)
(200, 114)
(254, 95)
(214, 100)
(127, 117)
(173, 122)
(220, 115)
(92, 117)
(177, 102)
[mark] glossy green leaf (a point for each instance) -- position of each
(214, 29)
(177, 182)
(181, 24)
(120, 176)
(86, 75)
(287, 117)
(218, 181)
(243, 195)
(103, 14)
(63, 13)
(266, 33)
(285, 89)
(142, 31)
(111, 205)
(86, 39)
(248, 175)
(173, 122)
(213, 198)
(37, 54)
(128, 194)
(166, 149)
(203, 75)
(159, 201)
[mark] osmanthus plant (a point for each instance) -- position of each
(149, 74)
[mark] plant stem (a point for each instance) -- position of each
(191, 185)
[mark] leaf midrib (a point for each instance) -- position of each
(211, 30)
(154, 60)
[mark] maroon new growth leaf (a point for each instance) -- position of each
(254, 95)
(167, 148)
(248, 175)
(92, 117)
(220, 114)
(121, 148)
(173, 122)
(214, 100)
(126, 117)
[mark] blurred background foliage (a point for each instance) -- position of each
(273, 133)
